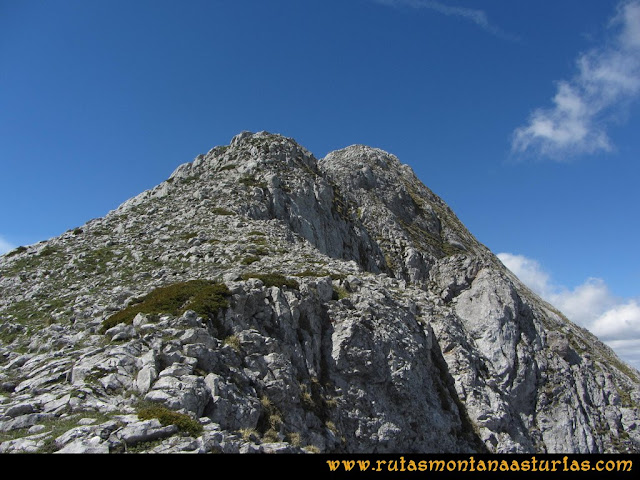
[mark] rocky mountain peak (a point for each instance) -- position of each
(362, 158)
(261, 300)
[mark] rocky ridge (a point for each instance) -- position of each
(261, 300)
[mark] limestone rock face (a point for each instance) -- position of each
(261, 300)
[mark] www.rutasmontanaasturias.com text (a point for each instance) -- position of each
(533, 464)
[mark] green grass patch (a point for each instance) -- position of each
(48, 251)
(270, 420)
(45, 258)
(96, 260)
(313, 398)
(252, 181)
(7, 338)
(249, 260)
(56, 426)
(233, 341)
(204, 297)
(339, 293)
(273, 280)
(184, 422)
(144, 447)
(21, 311)
(221, 211)
(312, 273)
(262, 251)
(338, 276)
(190, 179)
(16, 251)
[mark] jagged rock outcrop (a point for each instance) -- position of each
(261, 300)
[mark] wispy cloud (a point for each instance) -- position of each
(479, 17)
(591, 304)
(607, 80)
(5, 246)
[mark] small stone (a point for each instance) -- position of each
(84, 445)
(139, 320)
(36, 429)
(86, 421)
(19, 409)
(144, 431)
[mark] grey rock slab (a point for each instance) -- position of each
(187, 392)
(28, 444)
(144, 431)
(20, 409)
(94, 445)
(24, 421)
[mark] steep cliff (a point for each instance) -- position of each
(261, 300)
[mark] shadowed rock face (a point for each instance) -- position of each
(358, 315)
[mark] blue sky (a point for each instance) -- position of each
(523, 116)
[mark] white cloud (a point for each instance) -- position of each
(627, 350)
(592, 305)
(478, 17)
(621, 322)
(607, 80)
(5, 246)
(527, 270)
(585, 303)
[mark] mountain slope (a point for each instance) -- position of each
(263, 300)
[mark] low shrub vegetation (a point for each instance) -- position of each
(273, 280)
(221, 211)
(204, 297)
(184, 422)
(16, 251)
(339, 293)
(249, 260)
